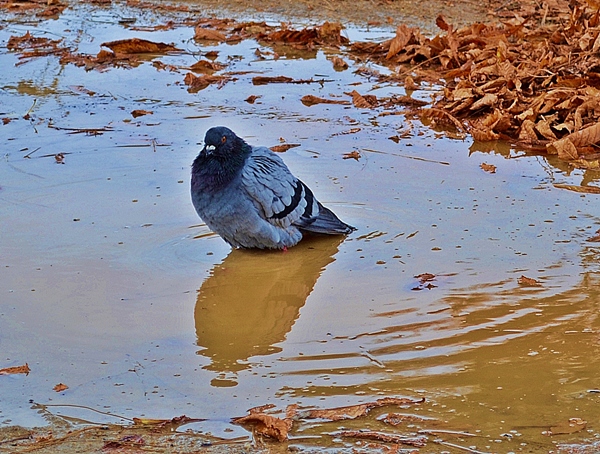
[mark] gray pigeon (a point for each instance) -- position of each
(251, 199)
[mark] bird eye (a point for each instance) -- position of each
(223, 139)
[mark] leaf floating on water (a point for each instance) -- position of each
(267, 425)
(338, 63)
(209, 34)
(575, 188)
(206, 67)
(139, 113)
(352, 155)
(139, 46)
(310, 100)
(425, 281)
(60, 387)
(528, 282)
(24, 369)
(363, 102)
(252, 98)
(283, 147)
(490, 168)
(197, 83)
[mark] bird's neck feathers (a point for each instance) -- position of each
(218, 169)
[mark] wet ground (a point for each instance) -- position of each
(111, 285)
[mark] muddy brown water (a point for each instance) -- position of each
(110, 284)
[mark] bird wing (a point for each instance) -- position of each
(281, 197)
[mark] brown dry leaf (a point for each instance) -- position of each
(263, 80)
(384, 437)
(360, 101)
(410, 84)
(346, 132)
(441, 22)
(140, 112)
(399, 42)
(586, 136)
(16, 370)
(564, 148)
(339, 63)
(352, 155)
(543, 127)
(209, 34)
(267, 425)
(283, 147)
(528, 282)
(311, 100)
(490, 168)
(355, 411)
(252, 98)
(328, 33)
(139, 46)
(580, 189)
(205, 66)
(484, 135)
(60, 387)
(488, 100)
(425, 277)
(197, 83)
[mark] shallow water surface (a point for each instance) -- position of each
(110, 283)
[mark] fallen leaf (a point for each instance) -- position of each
(16, 370)
(581, 189)
(207, 67)
(139, 46)
(339, 63)
(310, 100)
(284, 147)
(490, 168)
(252, 98)
(267, 425)
(209, 34)
(528, 282)
(60, 387)
(346, 132)
(362, 102)
(139, 113)
(352, 155)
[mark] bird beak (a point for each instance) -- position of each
(208, 149)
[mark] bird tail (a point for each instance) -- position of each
(327, 222)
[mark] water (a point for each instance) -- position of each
(110, 283)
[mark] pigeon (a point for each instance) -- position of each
(249, 197)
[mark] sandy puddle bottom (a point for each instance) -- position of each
(111, 285)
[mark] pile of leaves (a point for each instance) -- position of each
(534, 81)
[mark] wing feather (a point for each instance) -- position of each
(282, 198)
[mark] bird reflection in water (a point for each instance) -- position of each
(251, 300)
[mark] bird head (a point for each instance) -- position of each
(222, 142)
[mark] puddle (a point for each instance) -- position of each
(110, 283)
